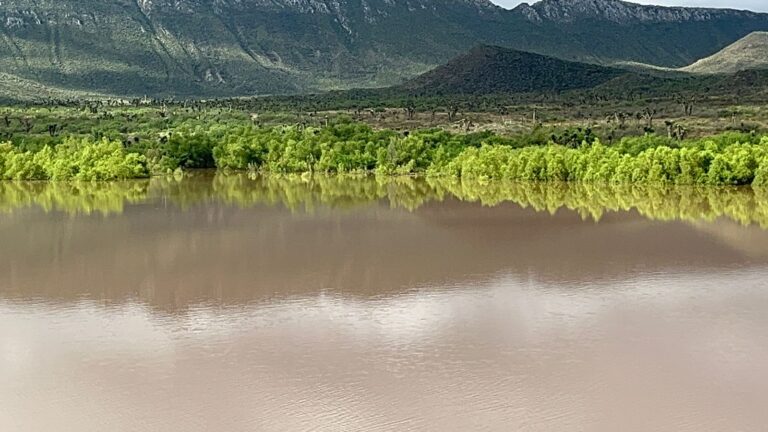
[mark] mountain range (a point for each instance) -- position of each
(253, 47)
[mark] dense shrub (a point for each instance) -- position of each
(727, 159)
(188, 148)
(74, 159)
(705, 163)
(343, 146)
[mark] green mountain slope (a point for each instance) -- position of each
(241, 47)
(491, 69)
(748, 53)
(15, 89)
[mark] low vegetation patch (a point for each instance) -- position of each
(73, 159)
(704, 162)
(343, 146)
(727, 159)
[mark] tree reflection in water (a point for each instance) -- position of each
(745, 205)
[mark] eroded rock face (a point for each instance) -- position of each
(17, 13)
(621, 12)
(230, 46)
(27, 12)
(302, 6)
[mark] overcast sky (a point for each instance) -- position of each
(755, 5)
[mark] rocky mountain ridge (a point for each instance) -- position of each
(209, 48)
(618, 11)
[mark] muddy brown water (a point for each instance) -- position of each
(200, 315)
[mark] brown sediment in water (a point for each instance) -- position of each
(446, 316)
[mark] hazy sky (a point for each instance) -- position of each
(755, 5)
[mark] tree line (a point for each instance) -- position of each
(344, 146)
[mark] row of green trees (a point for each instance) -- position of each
(728, 159)
(348, 147)
(705, 163)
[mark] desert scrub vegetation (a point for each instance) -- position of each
(343, 146)
(729, 159)
(73, 159)
(726, 159)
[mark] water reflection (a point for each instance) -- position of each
(744, 205)
(235, 240)
(284, 304)
(72, 198)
